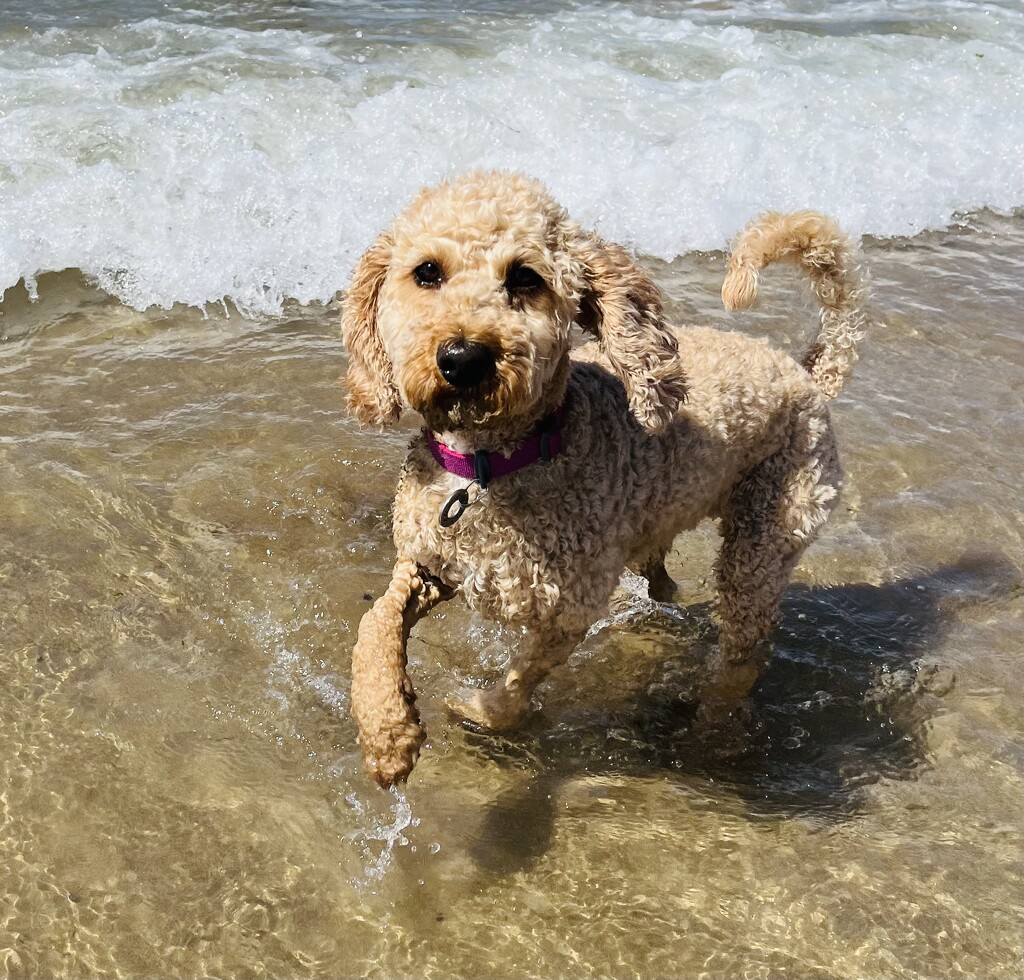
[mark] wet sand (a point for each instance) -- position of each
(189, 526)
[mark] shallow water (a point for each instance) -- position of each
(191, 527)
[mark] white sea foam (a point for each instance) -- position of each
(193, 160)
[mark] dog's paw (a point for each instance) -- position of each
(391, 755)
(493, 710)
(723, 728)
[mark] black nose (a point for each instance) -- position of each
(464, 364)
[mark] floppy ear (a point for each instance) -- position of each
(373, 397)
(621, 306)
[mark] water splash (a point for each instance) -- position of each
(377, 838)
(634, 601)
(291, 671)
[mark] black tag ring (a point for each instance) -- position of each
(454, 507)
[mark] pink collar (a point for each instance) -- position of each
(483, 466)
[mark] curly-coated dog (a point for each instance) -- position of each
(542, 472)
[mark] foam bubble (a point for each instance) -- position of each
(195, 162)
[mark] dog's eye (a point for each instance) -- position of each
(522, 279)
(428, 274)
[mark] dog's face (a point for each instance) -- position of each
(462, 311)
(475, 307)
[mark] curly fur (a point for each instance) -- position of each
(815, 244)
(663, 427)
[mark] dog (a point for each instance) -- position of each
(543, 471)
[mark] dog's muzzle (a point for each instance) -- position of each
(465, 364)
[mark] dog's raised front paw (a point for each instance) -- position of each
(391, 755)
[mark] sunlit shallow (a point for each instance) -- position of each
(192, 529)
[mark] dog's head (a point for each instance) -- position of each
(462, 311)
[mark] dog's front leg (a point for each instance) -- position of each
(383, 700)
(507, 704)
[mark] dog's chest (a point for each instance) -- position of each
(518, 552)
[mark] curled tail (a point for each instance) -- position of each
(816, 244)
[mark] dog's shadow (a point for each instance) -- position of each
(853, 680)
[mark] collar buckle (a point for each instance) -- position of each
(482, 467)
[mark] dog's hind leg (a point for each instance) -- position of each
(771, 516)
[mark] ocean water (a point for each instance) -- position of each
(190, 524)
(195, 153)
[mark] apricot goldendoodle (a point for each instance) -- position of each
(543, 472)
